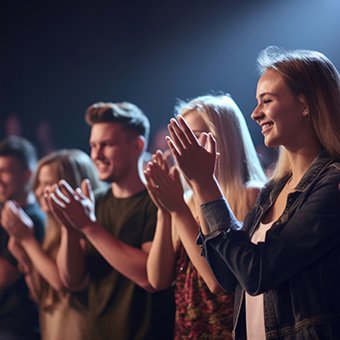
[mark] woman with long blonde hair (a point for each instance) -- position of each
(202, 309)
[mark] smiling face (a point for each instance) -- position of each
(113, 151)
(13, 178)
(46, 177)
(279, 112)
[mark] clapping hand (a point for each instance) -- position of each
(196, 157)
(16, 222)
(164, 185)
(73, 207)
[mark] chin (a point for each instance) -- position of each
(270, 143)
(105, 178)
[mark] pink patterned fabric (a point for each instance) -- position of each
(199, 313)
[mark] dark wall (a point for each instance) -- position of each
(59, 57)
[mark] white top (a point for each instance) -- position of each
(254, 304)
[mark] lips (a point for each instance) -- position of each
(101, 166)
(266, 126)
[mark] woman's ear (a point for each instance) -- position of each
(305, 112)
(305, 107)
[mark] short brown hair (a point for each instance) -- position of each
(129, 115)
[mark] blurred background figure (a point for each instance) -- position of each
(13, 125)
(62, 314)
(43, 133)
(159, 141)
(18, 314)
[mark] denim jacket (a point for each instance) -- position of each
(297, 267)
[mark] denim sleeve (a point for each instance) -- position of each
(219, 217)
(221, 221)
(306, 232)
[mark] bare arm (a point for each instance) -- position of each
(79, 210)
(19, 225)
(161, 259)
(188, 230)
(71, 260)
(128, 260)
(71, 256)
(46, 267)
(170, 193)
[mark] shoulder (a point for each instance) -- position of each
(329, 174)
(102, 193)
(144, 199)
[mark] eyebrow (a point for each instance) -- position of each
(266, 94)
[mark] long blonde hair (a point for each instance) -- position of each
(311, 74)
(73, 165)
(238, 164)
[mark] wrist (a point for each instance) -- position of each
(27, 241)
(207, 190)
(90, 228)
(163, 214)
(181, 209)
(70, 232)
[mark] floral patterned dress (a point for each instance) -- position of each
(200, 314)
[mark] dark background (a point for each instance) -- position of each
(57, 58)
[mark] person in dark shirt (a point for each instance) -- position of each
(18, 314)
(120, 228)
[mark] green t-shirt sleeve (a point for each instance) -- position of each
(150, 222)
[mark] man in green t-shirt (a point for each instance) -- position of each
(120, 229)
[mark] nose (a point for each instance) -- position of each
(96, 152)
(257, 114)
